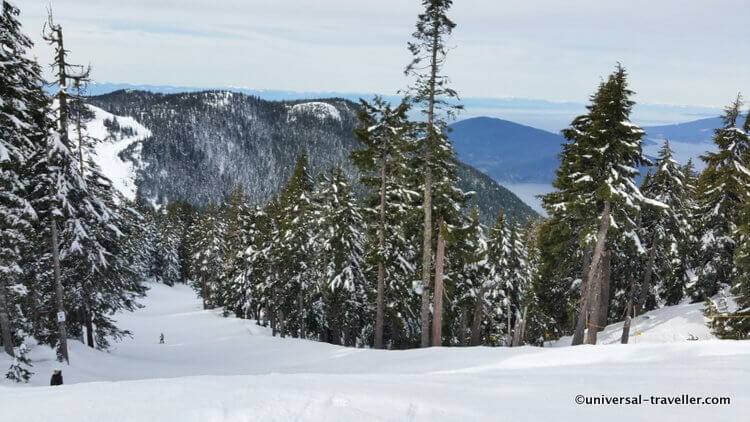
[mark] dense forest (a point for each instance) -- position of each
(379, 247)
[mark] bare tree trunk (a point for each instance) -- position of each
(89, 328)
(380, 301)
(62, 329)
(583, 303)
(301, 312)
(640, 305)
(604, 305)
(437, 319)
(424, 313)
(522, 337)
(476, 319)
(79, 133)
(463, 326)
(518, 332)
(595, 275)
(5, 331)
(509, 337)
(34, 304)
(628, 312)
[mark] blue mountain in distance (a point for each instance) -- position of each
(514, 153)
(695, 132)
(507, 151)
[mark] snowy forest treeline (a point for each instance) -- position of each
(406, 266)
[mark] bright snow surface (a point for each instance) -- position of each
(108, 148)
(318, 109)
(225, 369)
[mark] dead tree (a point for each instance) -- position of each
(53, 34)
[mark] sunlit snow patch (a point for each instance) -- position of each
(317, 109)
(107, 152)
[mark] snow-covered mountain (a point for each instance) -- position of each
(201, 144)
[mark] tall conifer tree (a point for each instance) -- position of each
(432, 93)
(386, 135)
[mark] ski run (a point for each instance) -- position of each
(215, 368)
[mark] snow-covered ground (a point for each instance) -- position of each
(225, 369)
(673, 324)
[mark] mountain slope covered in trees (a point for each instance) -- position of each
(204, 143)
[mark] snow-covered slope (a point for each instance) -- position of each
(672, 324)
(121, 171)
(225, 369)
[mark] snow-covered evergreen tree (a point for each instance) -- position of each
(563, 256)
(340, 261)
(141, 240)
(537, 324)
(239, 219)
(292, 252)
(250, 290)
(600, 199)
(207, 238)
(19, 369)
(20, 94)
(501, 256)
(723, 189)
(666, 232)
(386, 136)
(473, 278)
(167, 249)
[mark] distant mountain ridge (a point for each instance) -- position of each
(515, 153)
(694, 132)
(203, 143)
(539, 113)
(506, 150)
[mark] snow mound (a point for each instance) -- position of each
(671, 324)
(213, 368)
(317, 109)
(112, 143)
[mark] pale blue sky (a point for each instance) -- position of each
(677, 51)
